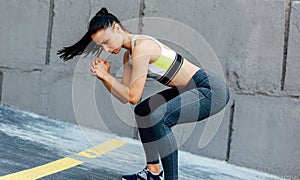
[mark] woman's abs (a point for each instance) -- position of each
(184, 75)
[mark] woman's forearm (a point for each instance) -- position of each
(127, 67)
(113, 92)
(127, 74)
(117, 89)
(130, 89)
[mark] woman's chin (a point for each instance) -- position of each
(116, 51)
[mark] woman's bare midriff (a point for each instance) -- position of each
(184, 75)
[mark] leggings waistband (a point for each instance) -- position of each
(199, 79)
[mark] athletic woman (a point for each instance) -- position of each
(193, 94)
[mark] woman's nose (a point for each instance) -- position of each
(106, 49)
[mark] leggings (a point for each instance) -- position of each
(203, 96)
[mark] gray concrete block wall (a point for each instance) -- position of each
(22, 89)
(265, 134)
(22, 51)
(69, 23)
(23, 33)
(247, 36)
(56, 93)
(293, 57)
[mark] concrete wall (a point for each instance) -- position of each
(256, 41)
(293, 56)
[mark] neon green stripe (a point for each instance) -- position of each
(163, 62)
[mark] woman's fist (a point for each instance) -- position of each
(100, 67)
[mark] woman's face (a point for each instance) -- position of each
(110, 40)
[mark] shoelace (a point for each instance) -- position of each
(144, 171)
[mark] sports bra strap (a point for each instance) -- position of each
(155, 40)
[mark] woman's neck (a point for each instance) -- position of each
(127, 37)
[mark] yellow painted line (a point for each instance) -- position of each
(44, 170)
(101, 149)
(64, 163)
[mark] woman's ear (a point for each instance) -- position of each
(117, 27)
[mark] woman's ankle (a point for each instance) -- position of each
(153, 168)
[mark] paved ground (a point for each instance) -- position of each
(34, 147)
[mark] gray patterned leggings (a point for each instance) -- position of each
(205, 95)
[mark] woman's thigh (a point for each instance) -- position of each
(190, 106)
(147, 106)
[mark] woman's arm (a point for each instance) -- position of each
(105, 65)
(133, 91)
(114, 93)
(127, 69)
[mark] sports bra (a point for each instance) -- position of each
(167, 64)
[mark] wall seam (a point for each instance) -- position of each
(1, 80)
(281, 95)
(141, 15)
(49, 35)
(230, 130)
(286, 40)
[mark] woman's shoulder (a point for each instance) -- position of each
(145, 45)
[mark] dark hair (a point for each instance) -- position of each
(102, 20)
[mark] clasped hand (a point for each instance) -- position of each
(100, 67)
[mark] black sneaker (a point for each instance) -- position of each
(143, 175)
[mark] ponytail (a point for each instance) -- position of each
(68, 53)
(102, 20)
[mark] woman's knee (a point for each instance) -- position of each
(150, 104)
(142, 109)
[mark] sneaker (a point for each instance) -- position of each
(143, 175)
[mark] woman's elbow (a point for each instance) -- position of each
(134, 99)
(134, 102)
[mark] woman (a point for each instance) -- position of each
(194, 93)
